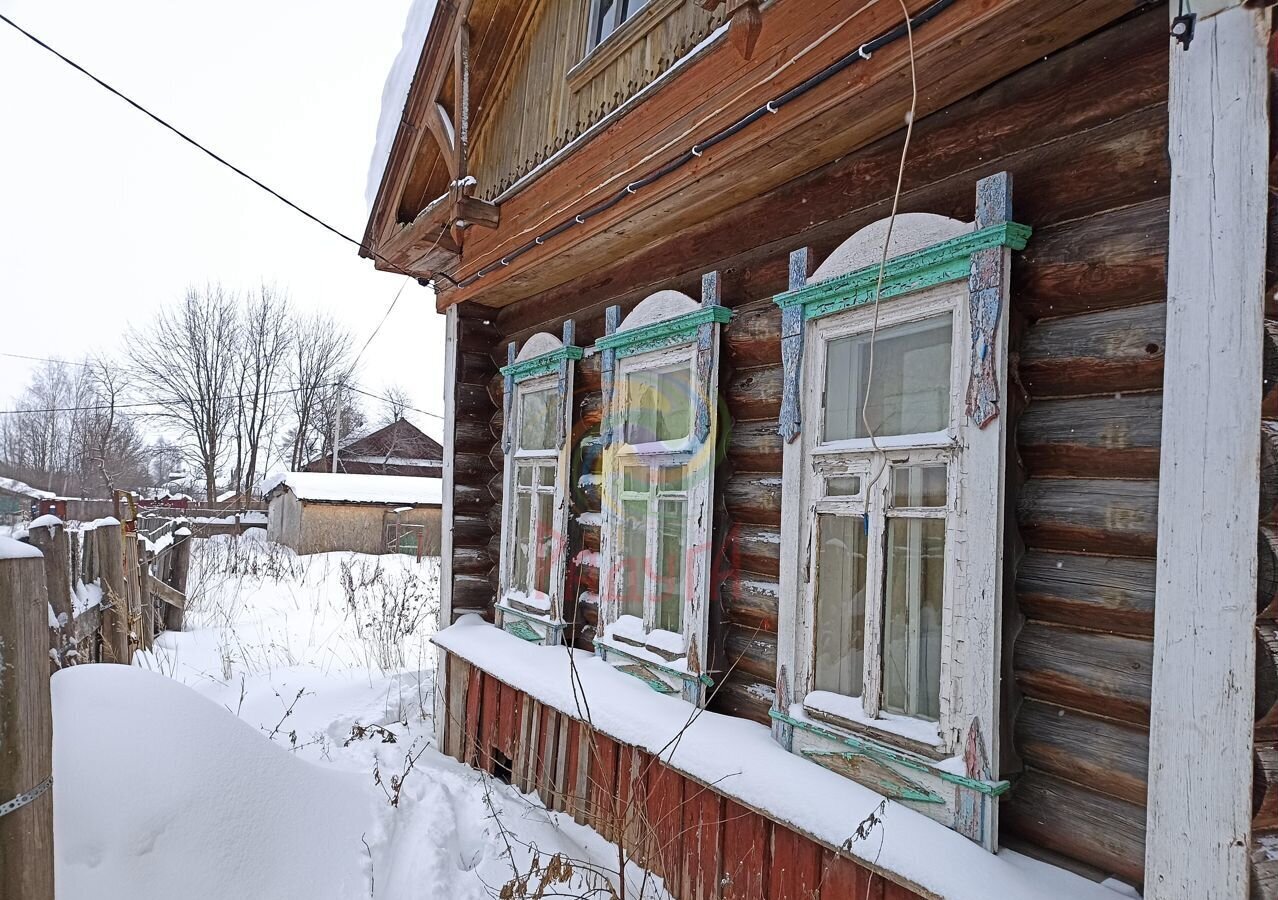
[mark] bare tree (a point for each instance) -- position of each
(266, 339)
(185, 362)
(321, 359)
(395, 402)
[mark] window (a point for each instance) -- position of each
(534, 515)
(659, 432)
(893, 505)
(606, 16)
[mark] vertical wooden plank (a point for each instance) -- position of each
(563, 742)
(548, 743)
(455, 708)
(109, 551)
(1200, 766)
(446, 506)
(603, 785)
(26, 724)
(474, 703)
(507, 715)
(843, 879)
(579, 785)
(666, 824)
(702, 847)
(745, 853)
(488, 712)
(796, 862)
(526, 748)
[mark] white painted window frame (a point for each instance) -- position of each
(537, 460)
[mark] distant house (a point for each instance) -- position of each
(17, 499)
(400, 448)
(317, 512)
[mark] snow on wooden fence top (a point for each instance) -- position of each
(14, 486)
(325, 487)
(739, 758)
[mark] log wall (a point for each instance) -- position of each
(702, 843)
(1084, 135)
(1264, 868)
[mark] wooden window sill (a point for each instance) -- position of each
(610, 48)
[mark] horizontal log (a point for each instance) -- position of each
(588, 376)
(471, 593)
(587, 492)
(1269, 363)
(477, 332)
(1102, 754)
(587, 610)
(1112, 516)
(743, 698)
(471, 531)
(1114, 259)
(754, 499)
(475, 368)
(755, 446)
(161, 591)
(1093, 437)
(471, 500)
(753, 549)
(1107, 352)
(472, 561)
(587, 412)
(1104, 674)
(1269, 472)
(1058, 815)
(496, 389)
(472, 401)
(473, 468)
(750, 651)
(753, 394)
(587, 576)
(590, 535)
(750, 604)
(1264, 786)
(1266, 681)
(753, 336)
(1267, 572)
(472, 434)
(495, 429)
(1105, 593)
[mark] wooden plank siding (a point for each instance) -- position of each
(1085, 141)
(704, 845)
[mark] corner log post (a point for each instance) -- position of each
(26, 730)
(108, 548)
(1204, 668)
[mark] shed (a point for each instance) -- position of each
(17, 499)
(316, 512)
(400, 448)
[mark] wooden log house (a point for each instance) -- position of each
(936, 475)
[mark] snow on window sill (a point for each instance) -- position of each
(841, 710)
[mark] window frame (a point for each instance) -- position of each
(666, 329)
(933, 262)
(545, 364)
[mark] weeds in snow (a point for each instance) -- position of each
(389, 606)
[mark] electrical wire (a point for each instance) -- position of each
(163, 404)
(357, 390)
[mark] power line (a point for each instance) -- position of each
(163, 404)
(184, 136)
(424, 412)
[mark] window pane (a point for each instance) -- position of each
(843, 486)
(523, 516)
(545, 540)
(670, 585)
(918, 486)
(634, 548)
(910, 389)
(658, 405)
(912, 623)
(635, 478)
(840, 604)
(524, 475)
(538, 414)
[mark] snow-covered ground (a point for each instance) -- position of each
(280, 748)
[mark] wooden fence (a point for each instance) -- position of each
(69, 596)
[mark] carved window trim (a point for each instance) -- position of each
(666, 329)
(938, 265)
(546, 364)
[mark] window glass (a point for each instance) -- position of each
(538, 419)
(918, 486)
(670, 587)
(635, 479)
(634, 544)
(909, 392)
(545, 538)
(912, 620)
(523, 522)
(843, 485)
(840, 604)
(659, 405)
(609, 15)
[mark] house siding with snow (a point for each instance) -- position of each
(1036, 617)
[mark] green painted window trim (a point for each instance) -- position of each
(938, 264)
(522, 630)
(881, 752)
(667, 333)
(541, 365)
(915, 793)
(610, 648)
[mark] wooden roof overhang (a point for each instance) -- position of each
(966, 47)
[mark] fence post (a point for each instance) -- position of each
(115, 599)
(26, 724)
(181, 566)
(54, 542)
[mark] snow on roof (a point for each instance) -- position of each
(395, 94)
(325, 487)
(14, 486)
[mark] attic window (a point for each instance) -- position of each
(606, 16)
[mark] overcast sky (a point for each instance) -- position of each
(104, 216)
